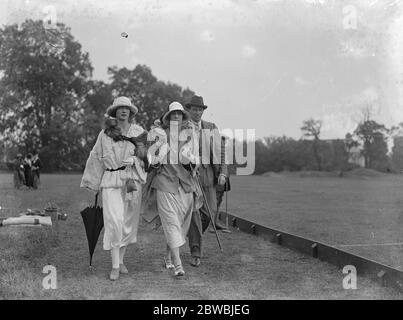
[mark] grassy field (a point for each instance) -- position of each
(249, 267)
(361, 214)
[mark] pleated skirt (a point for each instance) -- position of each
(121, 217)
(175, 211)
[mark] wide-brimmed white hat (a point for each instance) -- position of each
(121, 102)
(175, 106)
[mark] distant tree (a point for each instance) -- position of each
(372, 134)
(379, 153)
(351, 152)
(48, 101)
(397, 153)
(43, 84)
(98, 98)
(396, 133)
(283, 153)
(334, 155)
(311, 129)
(350, 142)
(287, 154)
(278, 153)
(262, 163)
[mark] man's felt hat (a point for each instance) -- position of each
(196, 101)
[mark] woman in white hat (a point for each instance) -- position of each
(175, 186)
(110, 168)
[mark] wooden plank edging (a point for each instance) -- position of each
(383, 274)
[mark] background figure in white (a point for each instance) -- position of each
(116, 168)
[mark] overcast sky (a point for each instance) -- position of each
(266, 65)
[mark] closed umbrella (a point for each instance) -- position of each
(94, 222)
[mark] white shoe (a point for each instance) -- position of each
(179, 272)
(114, 274)
(123, 269)
(168, 263)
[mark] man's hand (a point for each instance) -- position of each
(222, 179)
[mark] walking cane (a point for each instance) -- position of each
(226, 204)
(208, 209)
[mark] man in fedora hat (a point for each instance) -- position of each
(212, 171)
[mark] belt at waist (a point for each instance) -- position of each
(121, 168)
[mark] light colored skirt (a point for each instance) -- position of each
(121, 217)
(175, 211)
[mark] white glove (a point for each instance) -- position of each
(153, 160)
(128, 161)
(221, 179)
(156, 160)
(187, 156)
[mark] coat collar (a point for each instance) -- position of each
(135, 130)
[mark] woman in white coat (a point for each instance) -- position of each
(116, 169)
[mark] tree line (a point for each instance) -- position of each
(49, 102)
(366, 146)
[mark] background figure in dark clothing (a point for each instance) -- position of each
(28, 171)
(36, 166)
(19, 177)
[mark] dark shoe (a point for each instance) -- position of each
(195, 262)
(226, 231)
(219, 226)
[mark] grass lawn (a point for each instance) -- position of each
(249, 267)
(337, 211)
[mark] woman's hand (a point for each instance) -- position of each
(128, 161)
(188, 157)
(154, 161)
